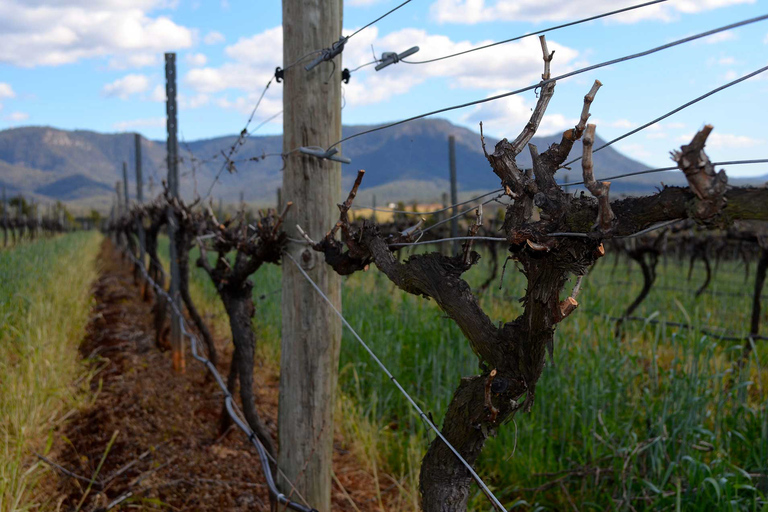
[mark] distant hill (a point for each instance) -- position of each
(408, 162)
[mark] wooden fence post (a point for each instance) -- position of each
(125, 187)
(173, 185)
(140, 199)
(5, 219)
(311, 332)
(454, 192)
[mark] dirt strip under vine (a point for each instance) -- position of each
(150, 435)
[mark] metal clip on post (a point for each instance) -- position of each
(328, 155)
(388, 58)
(328, 54)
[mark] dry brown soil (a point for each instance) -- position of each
(167, 453)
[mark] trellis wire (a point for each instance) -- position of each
(724, 336)
(433, 212)
(243, 135)
(496, 503)
(560, 77)
(538, 32)
(671, 112)
(441, 240)
(229, 403)
(378, 19)
(460, 214)
(672, 168)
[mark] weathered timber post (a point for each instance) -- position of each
(129, 240)
(454, 192)
(311, 331)
(140, 200)
(39, 225)
(173, 185)
(125, 187)
(119, 194)
(118, 210)
(5, 219)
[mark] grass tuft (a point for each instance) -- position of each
(44, 306)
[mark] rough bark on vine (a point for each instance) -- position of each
(233, 284)
(517, 349)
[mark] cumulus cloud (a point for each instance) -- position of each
(36, 33)
(725, 141)
(196, 59)
(150, 122)
(158, 94)
(625, 124)
(635, 150)
(136, 60)
(244, 105)
(477, 11)
(213, 37)
(127, 86)
(190, 102)
(6, 91)
(518, 65)
(251, 63)
(17, 117)
(509, 115)
(720, 37)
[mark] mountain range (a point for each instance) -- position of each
(408, 162)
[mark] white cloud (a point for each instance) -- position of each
(618, 123)
(190, 102)
(259, 49)
(252, 64)
(725, 141)
(634, 150)
(151, 122)
(196, 59)
(136, 60)
(520, 64)
(37, 33)
(17, 117)
(244, 105)
(213, 37)
(730, 75)
(127, 86)
(508, 116)
(6, 91)
(158, 94)
(728, 35)
(476, 11)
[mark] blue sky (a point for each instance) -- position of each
(98, 65)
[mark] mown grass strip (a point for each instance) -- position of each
(45, 298)
(646, 422)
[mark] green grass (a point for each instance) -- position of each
(653, 411)
(44, 305)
